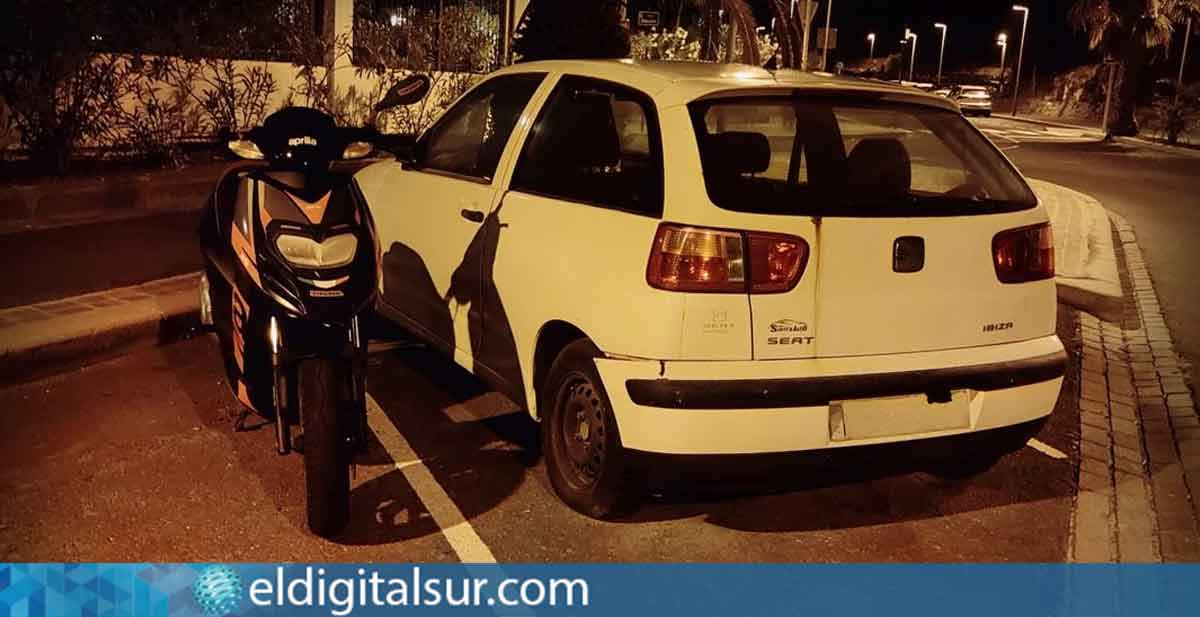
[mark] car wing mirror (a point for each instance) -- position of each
(407, 91)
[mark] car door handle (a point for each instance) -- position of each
(475, 216)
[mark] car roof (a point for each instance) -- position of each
(678, 83)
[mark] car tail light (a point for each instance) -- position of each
(716, 260)
(1024, 254)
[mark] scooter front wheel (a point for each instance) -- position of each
(323, 389)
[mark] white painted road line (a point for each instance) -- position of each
(455, 527)
(1046, 449)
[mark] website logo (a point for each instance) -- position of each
(218, 591)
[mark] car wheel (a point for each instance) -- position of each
(585, 461)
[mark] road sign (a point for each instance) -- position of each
(648, 19)
(832, 38)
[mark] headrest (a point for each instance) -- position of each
(593, 137)
(879, 167)
(736, 152)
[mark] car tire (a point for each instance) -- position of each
(587, 465)
(322, 392)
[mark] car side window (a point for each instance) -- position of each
(598, 143)
(470, 138)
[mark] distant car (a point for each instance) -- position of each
(972, 100)
(704, 259)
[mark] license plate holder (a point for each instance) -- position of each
(891, 416)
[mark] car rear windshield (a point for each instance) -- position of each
(974, 94)
(833, 156)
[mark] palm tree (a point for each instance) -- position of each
(575, 29)
(741, 28)
(1132, 32)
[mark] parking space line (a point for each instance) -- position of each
(457, 530)
(1046, 449)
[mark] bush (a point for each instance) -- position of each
(680, 44)
(453, 46)
(60, 89)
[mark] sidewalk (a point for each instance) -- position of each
(1085, 261)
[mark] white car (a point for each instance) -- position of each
(705, 259)
(973, 99)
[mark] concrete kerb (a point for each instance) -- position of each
(51, 337)
(1084, 258)
(1061, 125)
(1138, 141)
(117, 194)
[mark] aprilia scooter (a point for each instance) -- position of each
(291, 267)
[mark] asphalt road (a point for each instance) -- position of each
(59, 262)
(135, 460)
(1156, 189)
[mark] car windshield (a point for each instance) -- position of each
(833, 156)
(974, 94)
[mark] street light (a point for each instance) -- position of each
(1020, 53)
(1002, 41)
(871, 40)
(912, 59)
(1187, 36)
(942, 52)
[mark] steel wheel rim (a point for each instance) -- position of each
(582, 430)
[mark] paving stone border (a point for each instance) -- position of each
(49, 337)
(1139, 470)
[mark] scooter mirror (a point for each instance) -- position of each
(246, 149)
(406, 92)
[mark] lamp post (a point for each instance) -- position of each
(912, 59)
(942, 51)
(1002, 41)
(1024, 10)
(828, 12)
(1187, 35)
(871, 40)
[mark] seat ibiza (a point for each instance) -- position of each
(696, 259)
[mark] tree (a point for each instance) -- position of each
(59, 89)
(554, 29)
(1133, 32)
(740, 33)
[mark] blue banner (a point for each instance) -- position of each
(221, 590)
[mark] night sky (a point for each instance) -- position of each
(1052, 44)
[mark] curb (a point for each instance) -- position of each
(1154, 145)
(52, 337)
(158, 191)
(1087, 271)
(1061, 125)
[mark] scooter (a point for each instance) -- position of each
(291, 270)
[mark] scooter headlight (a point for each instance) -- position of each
(333, 252)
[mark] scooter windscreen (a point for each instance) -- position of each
(300, 137)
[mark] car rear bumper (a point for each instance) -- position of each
(977, 108)
(746, 407)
